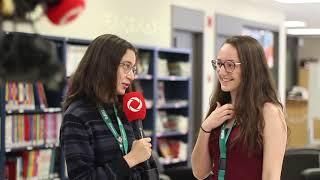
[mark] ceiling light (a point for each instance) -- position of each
(298, 1)
(292, 24)
(304, 31)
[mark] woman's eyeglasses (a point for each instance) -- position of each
(127, 67)
(228, 65)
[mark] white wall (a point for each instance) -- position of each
(247, 9)
(142, 22)
(313, 102)
(309, 47)
(148, 22)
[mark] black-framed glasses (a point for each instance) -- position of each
(228, 65)
(127, 67)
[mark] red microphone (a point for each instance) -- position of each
(134, 108)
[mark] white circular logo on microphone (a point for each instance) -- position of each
(132, 108)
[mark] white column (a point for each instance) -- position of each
(282, 64)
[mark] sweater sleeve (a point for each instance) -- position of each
(137, 135)
(75, 139)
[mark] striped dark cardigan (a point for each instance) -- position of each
(89, 147)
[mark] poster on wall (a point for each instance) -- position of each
(266, 39)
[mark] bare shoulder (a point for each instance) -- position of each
(274, 116)
(271, 108)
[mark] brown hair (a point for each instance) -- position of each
(256, 88)
(96, 76)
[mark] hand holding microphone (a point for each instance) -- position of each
(140, 152)
(134, 108)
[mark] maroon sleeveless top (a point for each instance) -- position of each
(240, 164)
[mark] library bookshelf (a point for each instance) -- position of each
(30, 118)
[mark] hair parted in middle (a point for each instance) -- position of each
(256, 88)
(96, 76)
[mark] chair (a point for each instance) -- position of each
(298, 160)
(311, 174)
(179, 173)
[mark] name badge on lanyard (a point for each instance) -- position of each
(224, 136)
(122, 140)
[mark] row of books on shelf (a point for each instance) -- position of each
(36, 164)
(164, 101)
(144, 63)
(25, 130)
(166, 122)
(173, 68)
(172, 150)
(24, 95)
(166, 67)
(74, 56)
(149, 103)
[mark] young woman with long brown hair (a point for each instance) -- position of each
(244, 134)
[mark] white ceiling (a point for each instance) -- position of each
(307, 12)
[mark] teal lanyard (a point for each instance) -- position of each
(122, 140)
(223, 150)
